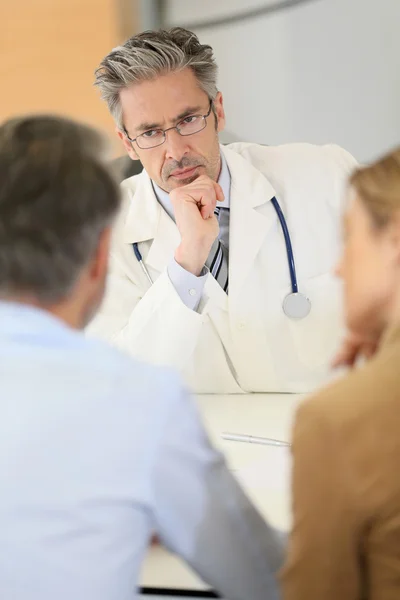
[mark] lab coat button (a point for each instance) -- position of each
(241, 324)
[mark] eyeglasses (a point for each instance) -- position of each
(155, 137)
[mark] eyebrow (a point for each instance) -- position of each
(190, 110)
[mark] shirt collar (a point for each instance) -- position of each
(224, 181)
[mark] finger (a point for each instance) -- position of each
(208, 203)
(346, 356)
(207, 211)
(338, 361)
(369, 350)
(219, 192)
(349, 358)
(342, 361)
(208, 195)
(200, 180)
(206, 188)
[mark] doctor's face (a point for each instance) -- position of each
(369, 270)
(161, 103)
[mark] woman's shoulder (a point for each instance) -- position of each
(369, 393)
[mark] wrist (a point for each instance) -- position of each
(192, 257)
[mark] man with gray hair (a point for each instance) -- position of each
(97, 451)
(222, 255)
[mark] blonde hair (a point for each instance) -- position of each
(378, 187)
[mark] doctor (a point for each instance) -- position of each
(222, 255)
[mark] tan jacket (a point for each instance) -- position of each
(345, 543)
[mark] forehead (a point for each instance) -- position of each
(160, 100)
(351, 204)
(355, 214)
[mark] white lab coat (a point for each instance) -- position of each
(244, 341)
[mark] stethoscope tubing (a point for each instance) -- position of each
(288, 244)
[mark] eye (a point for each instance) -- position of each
(151, 133)
(190, 119)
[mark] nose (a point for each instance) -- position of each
(176, 146)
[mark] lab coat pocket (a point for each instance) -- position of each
(316, 337)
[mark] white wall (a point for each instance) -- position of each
(327, 71)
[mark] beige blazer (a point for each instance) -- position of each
(345, 543)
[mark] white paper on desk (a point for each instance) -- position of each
(268, 483)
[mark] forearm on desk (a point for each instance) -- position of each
(212, 525)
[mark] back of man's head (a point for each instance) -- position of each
(57, 200)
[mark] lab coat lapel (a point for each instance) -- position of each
(250, 218)
(250, 221)
(147, 221)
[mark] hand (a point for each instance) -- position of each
(194, 206)
(354, 347)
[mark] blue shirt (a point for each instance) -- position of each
(97, 451)
(189, 287)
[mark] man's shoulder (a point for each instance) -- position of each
(131, 183)
(129, 187)
(132, 378)
(297, 155)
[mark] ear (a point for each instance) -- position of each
(220, 111)
(127, 144)
(99, 263)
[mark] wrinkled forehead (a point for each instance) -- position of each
(160, 102)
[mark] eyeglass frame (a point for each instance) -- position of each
(204, 117)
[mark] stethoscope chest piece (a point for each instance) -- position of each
(296, 306)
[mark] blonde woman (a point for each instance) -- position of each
(345, 543)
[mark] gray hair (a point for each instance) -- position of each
(150, 54)
(56, 198)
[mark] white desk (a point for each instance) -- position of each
(262, 470)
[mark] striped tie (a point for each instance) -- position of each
(218, 260)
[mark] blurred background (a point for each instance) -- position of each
(290, 70)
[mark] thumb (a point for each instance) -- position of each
(346, 355)
(218, 192)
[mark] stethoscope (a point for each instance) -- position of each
(295, 305)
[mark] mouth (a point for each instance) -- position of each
(184, 173)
